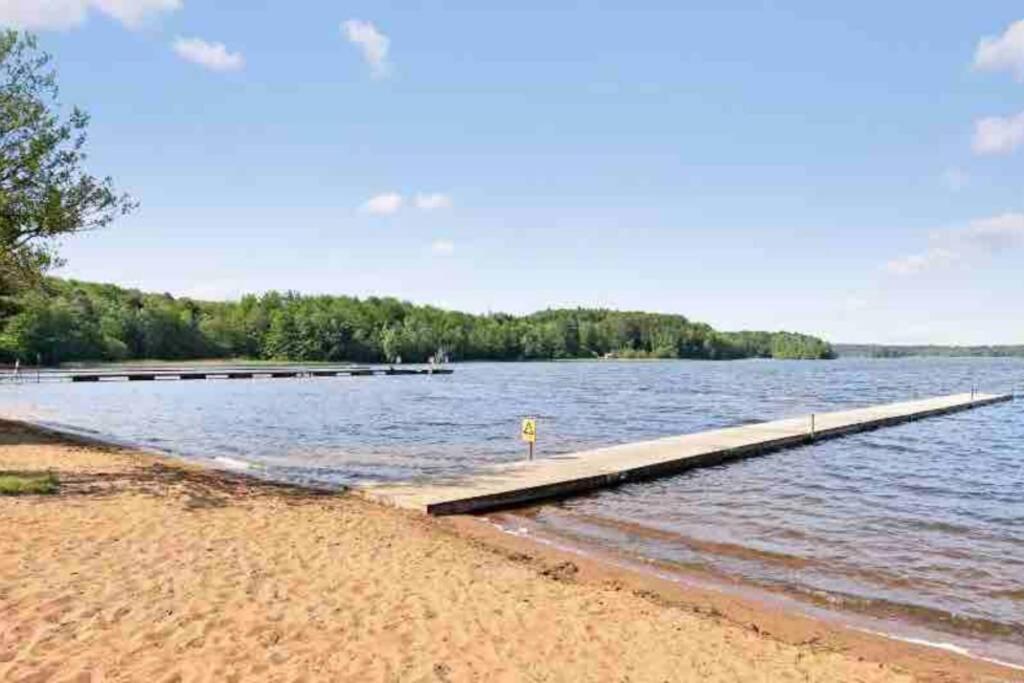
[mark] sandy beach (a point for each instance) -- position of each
(146, 568)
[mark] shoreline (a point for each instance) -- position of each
(757, 598)
(883, 618)
(588, 574)
(754, 609)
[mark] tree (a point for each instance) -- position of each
(44, 191)
(64, 320)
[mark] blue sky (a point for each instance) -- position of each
(852, 170)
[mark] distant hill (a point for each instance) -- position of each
(67, 320)
(905, 351)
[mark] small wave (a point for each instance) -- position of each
(939, 525)
(933, 618)
(1015, 595)
(706, 546)
(948, 647)
(233, 463)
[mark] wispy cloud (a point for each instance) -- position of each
(391, 202)
(935, 257)
(979, 239)
(212, 289)
(40, 15)
(955, 178)
(373, 44)
(997, 135)
(1003, 53)
(993, 234)
(212, 56)
(433, 201)
(383, 204)
(854, 302)
(442, 248)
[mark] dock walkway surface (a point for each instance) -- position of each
(137, 373)
(562, 476)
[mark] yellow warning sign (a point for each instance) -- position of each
(529, 430)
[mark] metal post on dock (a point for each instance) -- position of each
(528, 433)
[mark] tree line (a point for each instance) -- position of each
(67, 320)
(909, 350)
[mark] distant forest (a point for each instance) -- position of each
(66, 320)
(900, 351)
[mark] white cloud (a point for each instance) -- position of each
(134, 12)
(917, 263)
(433, 201)
(390, 202)
(996, 135)
(213, 56)
(35, 15)
(43, 14)
(854, 303)
(1004, 231)
(1003, 53)
(383, 204)
(442, 247)
(210, 289)
(980, 238)
(373, 44)
(955, 178)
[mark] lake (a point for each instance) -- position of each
(922, 522)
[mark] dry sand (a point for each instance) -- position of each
(143, 568)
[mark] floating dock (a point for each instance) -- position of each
(151, 374)
(572, 474)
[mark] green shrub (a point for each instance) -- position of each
(26, 484)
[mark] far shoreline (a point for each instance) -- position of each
(28, 370)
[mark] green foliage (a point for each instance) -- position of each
(25, 484)
(781, 345)
(907, 351)
(66, 320)
(44, 192)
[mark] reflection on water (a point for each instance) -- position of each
(924, 520)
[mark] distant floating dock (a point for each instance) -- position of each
(567, 475)
(142, 374)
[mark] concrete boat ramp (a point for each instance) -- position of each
(571, 474)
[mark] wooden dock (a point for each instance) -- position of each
(152, 374)
(567, 475)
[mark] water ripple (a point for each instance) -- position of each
(924, 519)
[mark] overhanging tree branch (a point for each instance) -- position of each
(44, 191)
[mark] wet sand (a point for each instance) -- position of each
(145, 568)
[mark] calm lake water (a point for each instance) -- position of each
(923, 522)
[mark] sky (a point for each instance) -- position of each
(851, 170)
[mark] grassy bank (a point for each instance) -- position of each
(17, 484)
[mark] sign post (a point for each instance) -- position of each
(529, 433)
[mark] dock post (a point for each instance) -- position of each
(528, 433)
(812, 426)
